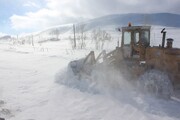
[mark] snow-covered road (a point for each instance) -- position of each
(29, 88)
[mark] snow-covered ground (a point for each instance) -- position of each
(34, 86)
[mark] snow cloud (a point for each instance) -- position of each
(56, 12)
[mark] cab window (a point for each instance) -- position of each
(145, 37)
(127, 38)
(136, 37)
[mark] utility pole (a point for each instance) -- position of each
(32, 41)
(57, 34)
(74, 30)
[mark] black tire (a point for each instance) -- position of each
(156, 83)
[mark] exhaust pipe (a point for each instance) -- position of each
(169, 43)
(164, 37)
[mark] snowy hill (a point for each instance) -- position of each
(108, 23)
(6, 37)
(156, 19)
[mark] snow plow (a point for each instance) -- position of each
(156, 68)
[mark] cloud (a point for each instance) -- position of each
(31, 4)
(57, 12)
(33, 20)
(40, 20)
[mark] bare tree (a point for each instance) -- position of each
(81, 37)
(95, 35)
(100, 37)
(55, 34)
(104, 37)
(72, 42)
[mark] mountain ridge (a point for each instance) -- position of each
(160, 19)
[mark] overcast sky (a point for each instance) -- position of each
(18, 16)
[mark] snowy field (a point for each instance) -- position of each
(34, 86)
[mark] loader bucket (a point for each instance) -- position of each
(87, 64)
(83, 65)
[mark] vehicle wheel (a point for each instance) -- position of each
(156, 83)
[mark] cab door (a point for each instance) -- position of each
(126, 44)
(135, 44)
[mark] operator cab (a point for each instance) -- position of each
(134, 41)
